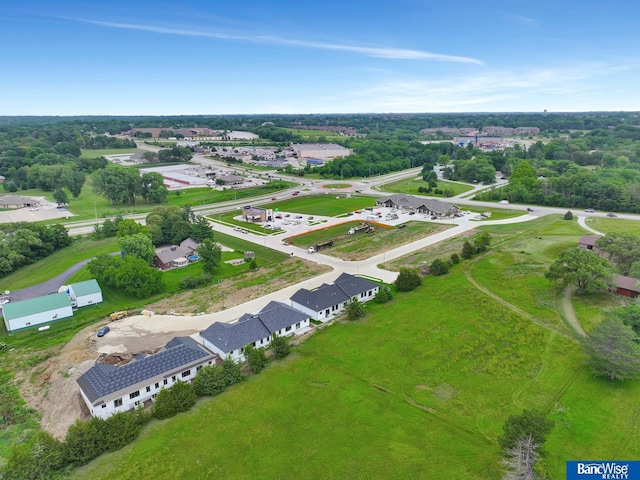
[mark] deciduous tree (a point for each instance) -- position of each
(407, 280)
(582, 268)
(623, 249)
(210, 255)
(613, 350)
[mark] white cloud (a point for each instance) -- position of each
(521, 19)
(379, 52)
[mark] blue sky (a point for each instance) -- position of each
(350, 56)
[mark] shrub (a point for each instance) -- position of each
(178, 398)
(355, 309)
(407, 280)
(568, 215)
(467, 250)
(438, 267)
(211, 380)
(38, 459)
(256, 358)
(455, 258)
(383, 295)
(280, 346)
(232, 371)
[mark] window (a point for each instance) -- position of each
(370, 292)
(134, 394)
(148, 389)
(117, 402)
(198, 368)
(104, 405)
(173, 379)
(298, 325)
(166, 381)
(157, 385)
(136, 403)
(154, 395)
(288, 328)
(186, 373)
(28, 323)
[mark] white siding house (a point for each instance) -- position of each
(36, 311)
(107, 389)
(329, 300)
(85, 293)
(229, 339)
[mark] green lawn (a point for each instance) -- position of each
(411, 186)
(88, 153)
(327, 205)
(614, 225)
(57, 263)
(417, 389)
(315, 134)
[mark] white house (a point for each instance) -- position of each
(229, 339)
(85, 293)
(36, 311)
(107, 389)
(329, 300)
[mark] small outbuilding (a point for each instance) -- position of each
(85, 293)
(36, 311)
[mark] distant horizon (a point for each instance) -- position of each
(576, 112)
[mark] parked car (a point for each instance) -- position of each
(298, 217)
(273, 198)
(286, 215)
(611, 215)
(402, 225)
(529, 209)
(103, 331)
(589, 210)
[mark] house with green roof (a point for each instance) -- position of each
(85, 293)
(36, 311)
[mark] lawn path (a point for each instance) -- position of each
(569, 313)
(512, 307)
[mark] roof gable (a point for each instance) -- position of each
(321, 298)
(87, 287)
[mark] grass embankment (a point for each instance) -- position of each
(418, 389)
(411, 186)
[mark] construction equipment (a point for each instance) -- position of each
(363, 227)
(118, 315)
(320, 246)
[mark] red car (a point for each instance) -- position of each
(273, 198)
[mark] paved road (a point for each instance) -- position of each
(50, 286)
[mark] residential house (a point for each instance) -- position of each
(176, 255)
(229, 339)
(410, 203)
(107, 389)
(36, 311)
(329, 300)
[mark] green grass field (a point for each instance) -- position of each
(418, 389)
(327, 205)
(315, 134)
(88, 153)
(411, 186)
(614, 225)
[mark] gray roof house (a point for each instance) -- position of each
(430, 206)
(107, 389)
(229, 339)
(330, 299)
(167, 258)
